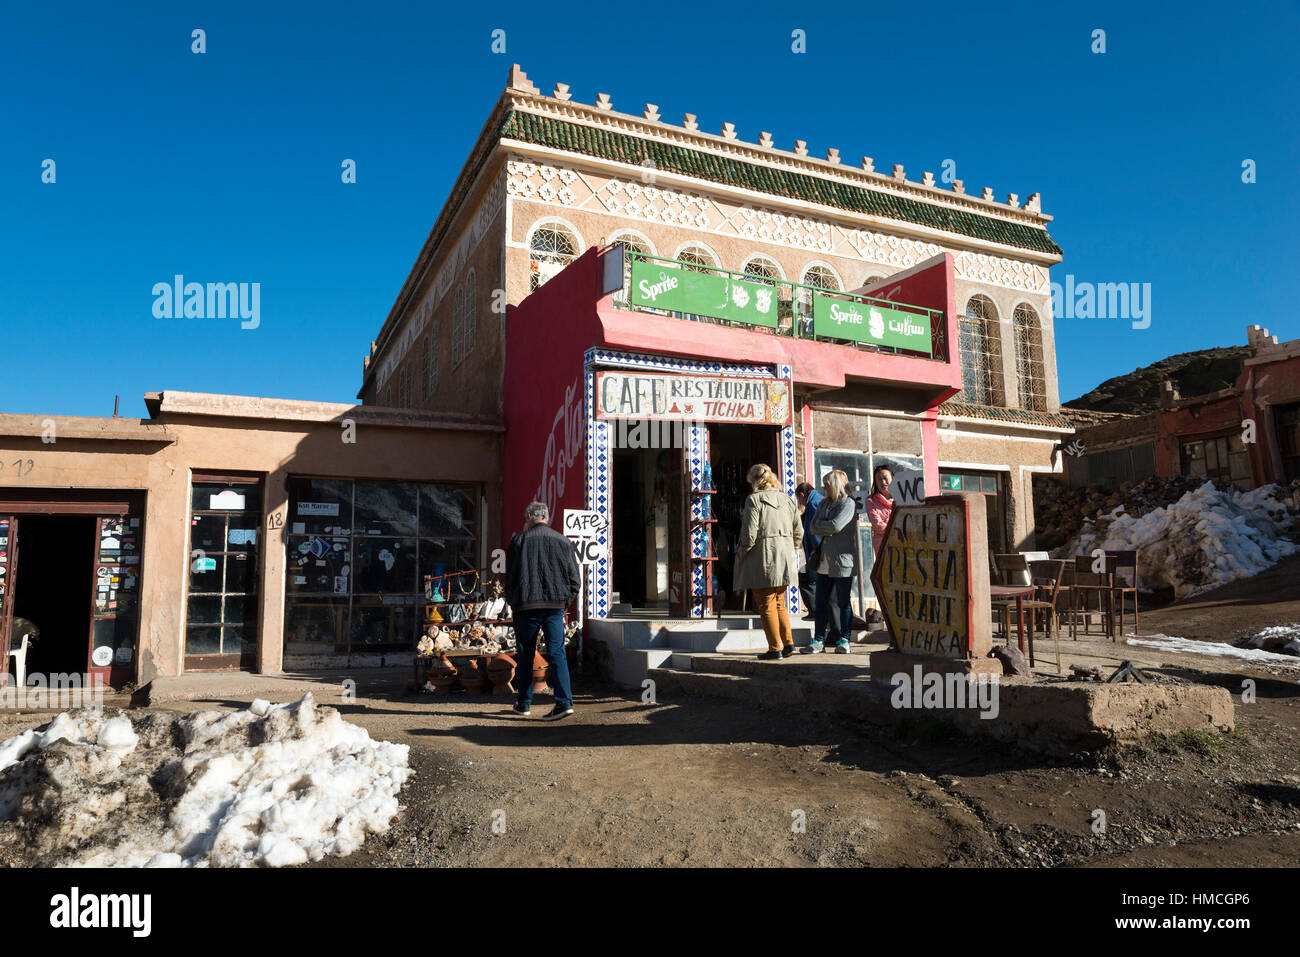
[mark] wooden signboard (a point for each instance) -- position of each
(931, 578)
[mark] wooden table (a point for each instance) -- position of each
(1019, 593)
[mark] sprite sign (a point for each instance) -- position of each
(674, 289)
(872, 323)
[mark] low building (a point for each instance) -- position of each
(1247, 435)
(229, 532)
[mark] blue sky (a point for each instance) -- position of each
(225, 166)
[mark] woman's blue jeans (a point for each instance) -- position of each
(842, 588)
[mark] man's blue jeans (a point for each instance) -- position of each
(843, 588)
(550, 622)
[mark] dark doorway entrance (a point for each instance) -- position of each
(639, 516)
(732, 450)
(54, 574)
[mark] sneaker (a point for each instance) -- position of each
(521, 709)
(557, 713)
(814, 648)
(842, 646)
(787, 651)
(770, 656)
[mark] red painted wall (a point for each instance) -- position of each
(545, 404)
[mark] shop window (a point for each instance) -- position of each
(222, 598)
(981, 353)
(357, 554)
(1029, 359)
(552, 247)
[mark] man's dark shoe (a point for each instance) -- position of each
(557, 713)
(770, 656)
(787, 651)
(521, 709)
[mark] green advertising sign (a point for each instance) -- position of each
(870, 322)
(661, 286)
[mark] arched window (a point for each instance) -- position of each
(1029, 359)
(764, 270)
(822, 276)
(431, 362)
(469, 315)
(634, 243)
(457, 307)
(552, 247)
(873, 278)
(981, 353)
(697, 258)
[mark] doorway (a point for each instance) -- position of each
(733, 449)
(639, 514)
(53, 590)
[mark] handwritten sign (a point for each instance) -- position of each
(932, 594)
(658, 396)
(908, 488)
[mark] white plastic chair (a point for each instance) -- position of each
(19, 655)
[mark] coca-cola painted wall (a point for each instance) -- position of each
(547, 336)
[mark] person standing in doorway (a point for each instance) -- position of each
(836, 521)
(808, 498)
(542, 580)
(880, 505)
(770, 535)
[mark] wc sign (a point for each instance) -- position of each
(908, 488)
(581, 528)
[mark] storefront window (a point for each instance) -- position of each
(221, 606)
(357, 554)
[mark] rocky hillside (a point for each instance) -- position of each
(1194, 373)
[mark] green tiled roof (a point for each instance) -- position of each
(995, 413)
(624, 148)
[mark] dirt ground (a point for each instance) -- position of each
(698, 781)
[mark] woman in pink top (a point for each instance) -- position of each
(880, 504)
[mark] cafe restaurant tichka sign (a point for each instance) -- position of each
(661, 286)
(872, 323)
(932, 580)
(692, 398)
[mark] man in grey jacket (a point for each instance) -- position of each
(542, 579)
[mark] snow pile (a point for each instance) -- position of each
(270, 785)
(1215, 649)
(1207, 538)
(1280, 638)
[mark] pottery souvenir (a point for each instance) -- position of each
(500, 669)
(443, 674)
(539, 672)
(473, 676)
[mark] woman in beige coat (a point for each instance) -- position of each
(771, 533)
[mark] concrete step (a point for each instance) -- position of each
(631, 665)
(864, 701)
